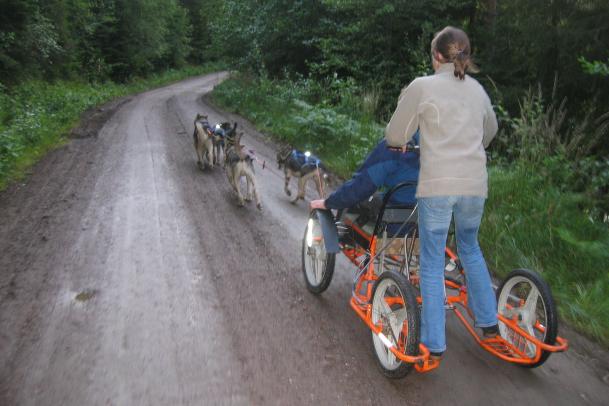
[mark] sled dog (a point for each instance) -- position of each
(239, 163)
(305, 167)
(203, 138)
(221, 132)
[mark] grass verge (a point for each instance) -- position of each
(287, 110)
(36, 116)
(529, 222)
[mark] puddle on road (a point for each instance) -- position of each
(85, 295)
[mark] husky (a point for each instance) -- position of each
(239, 163)
(221, 131)
(303, 166)
(203, 137)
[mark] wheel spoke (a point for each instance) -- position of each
(530, 307)
(390, 357)
(312, 263)
(397, 321)
(531, 348)
(385, 308)
(319, 267)
(401, 315)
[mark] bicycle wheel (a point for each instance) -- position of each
(317, 264)
(525, 295)
(395, 310)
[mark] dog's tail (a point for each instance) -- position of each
(230, 132)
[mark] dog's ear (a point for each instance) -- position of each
(235, 126)
(238, 139)
(284, 153)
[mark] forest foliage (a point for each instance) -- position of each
(95, 40)
(544, 64)
(384, 45)
(378, 47)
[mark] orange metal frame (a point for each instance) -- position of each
(498, 346)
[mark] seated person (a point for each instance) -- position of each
(383, 168)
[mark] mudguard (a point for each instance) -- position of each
(329, 230)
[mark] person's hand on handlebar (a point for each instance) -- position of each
(405, 148)
(318, 204)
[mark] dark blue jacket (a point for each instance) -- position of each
(382, 168)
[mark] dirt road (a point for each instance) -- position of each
(128, 276)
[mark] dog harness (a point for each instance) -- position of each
(208, 129)
(305, 163)
(219, 132)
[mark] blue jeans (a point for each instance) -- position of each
(435, 215)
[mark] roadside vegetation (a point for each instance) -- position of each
(36, 116)
(303, 113)
(59, 58)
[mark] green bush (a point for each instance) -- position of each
(548, 207)
(36, 115)
(531, 223)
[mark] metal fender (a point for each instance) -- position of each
(329, 230)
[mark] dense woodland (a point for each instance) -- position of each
(363, 48)
(379, 45)
(326, 73)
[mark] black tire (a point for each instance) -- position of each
(392, 283)
(545, 309)
(321, 283)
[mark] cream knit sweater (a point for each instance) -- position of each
(456, 122)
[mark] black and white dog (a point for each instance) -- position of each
(221, 132)
(303, 166)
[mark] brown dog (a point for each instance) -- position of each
(239, 163)
(303, 166)
(203, 138)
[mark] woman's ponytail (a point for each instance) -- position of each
(453, 44)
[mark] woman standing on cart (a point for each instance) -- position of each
(456, 123)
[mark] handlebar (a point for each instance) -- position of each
(406, 148)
